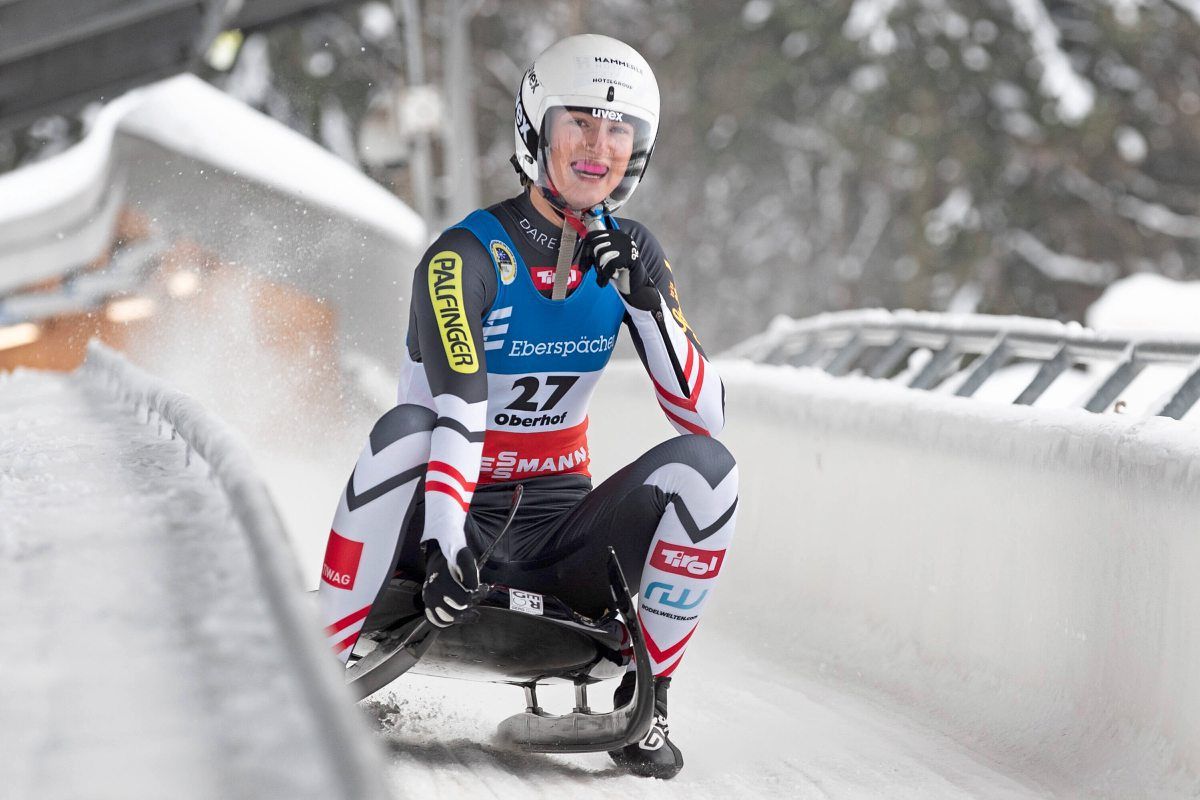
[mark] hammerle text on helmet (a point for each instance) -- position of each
(618, 62)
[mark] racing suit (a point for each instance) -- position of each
(494, 391)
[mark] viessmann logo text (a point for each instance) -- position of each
(521, 348)
(510, 463)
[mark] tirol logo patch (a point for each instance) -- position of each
(691, 562)
(445, 292)
(543, 277)
(505, 261)
(341, 561)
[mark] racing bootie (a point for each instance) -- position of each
(655, 756)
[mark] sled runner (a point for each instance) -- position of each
(520, 638)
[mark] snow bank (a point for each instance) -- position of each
(354, 758)
(1148, 302)
(1026, 575)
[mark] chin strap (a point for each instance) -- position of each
(566, 249)
(572, 229)
(555, 199)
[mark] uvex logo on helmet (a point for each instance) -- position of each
(604, 113)
(525, 130)
(523, 126)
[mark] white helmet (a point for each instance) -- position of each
(600, 81)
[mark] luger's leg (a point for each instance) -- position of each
(376, 507)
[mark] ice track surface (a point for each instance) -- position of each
(136, 658)
(128, 700)
(748, 729)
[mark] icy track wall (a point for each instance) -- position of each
(1030, 576)
(354, 759)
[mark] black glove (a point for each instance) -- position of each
(607, 251)
(449, 588)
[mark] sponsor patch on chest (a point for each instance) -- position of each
(505, 261)
(543, 277)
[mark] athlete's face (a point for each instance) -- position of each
(588, 155)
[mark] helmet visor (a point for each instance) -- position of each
(592, 156)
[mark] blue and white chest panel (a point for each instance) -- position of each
(543, 359)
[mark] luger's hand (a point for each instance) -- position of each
(448, 585)
(607, 251)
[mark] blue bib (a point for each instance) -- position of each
(526, 332)
(544, 358)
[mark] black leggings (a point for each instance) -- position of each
(558, 543)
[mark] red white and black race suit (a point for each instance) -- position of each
(494, 392)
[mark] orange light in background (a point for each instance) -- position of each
(129, 309)
(183, 283)
(17, 335)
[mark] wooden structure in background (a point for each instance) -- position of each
(285, 321)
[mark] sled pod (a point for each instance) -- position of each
(582, 731)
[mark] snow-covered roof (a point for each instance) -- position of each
(58, 214)
(187, 115)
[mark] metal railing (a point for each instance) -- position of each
(879, 344)
(354, 758)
